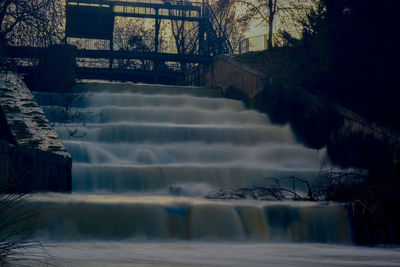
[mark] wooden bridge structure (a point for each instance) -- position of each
(94, 19)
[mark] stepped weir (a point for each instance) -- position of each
(144, 157)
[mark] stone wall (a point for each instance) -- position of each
(32, 157)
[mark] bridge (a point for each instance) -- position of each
(112, 73)
(94, 19)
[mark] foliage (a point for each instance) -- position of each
(227, 14)
(281, 17)
(31, 22)
(225, 18)
(347, 57)
(132, 34)
(11, 238)
(17, 226)
(348, 53)
(185, 35)
(352, 47)
(372, 207)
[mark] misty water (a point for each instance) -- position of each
(144, 157)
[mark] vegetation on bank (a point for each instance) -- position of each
(17, 227)
(348, 52)
(347, 57)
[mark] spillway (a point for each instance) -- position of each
(144, 157)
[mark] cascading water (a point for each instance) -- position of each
(144, 156)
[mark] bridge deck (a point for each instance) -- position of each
(36, 52)
(165, 76)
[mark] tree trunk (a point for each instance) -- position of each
(270, 22)
(270, 33)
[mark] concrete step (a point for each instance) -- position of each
(102, 86)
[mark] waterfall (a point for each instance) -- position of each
(144, 157)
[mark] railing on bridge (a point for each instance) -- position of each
(81, 22)
(253, 43)
(171, 10)
(94, 20)
(38, 52)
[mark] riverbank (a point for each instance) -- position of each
(366, 154)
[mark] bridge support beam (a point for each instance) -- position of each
(202, 50)
(111, 49)
(112, 41)
(156, 63)
(157, 32)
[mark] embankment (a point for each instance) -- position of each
(318, 122)
(353, 141)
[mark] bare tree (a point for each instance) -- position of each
(289, 13)
(132, 34)
(185, 34)
(185, 37)
(31, 22)
(226, 12)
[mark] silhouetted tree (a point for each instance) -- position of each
(132, 34)
(226, 12)
(354, 45)
(185, 34)
(31, 22)
(289, 13)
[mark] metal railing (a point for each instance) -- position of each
(253, 43)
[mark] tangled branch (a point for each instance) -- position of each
(273, 191)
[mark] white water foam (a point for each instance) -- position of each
(142, 162)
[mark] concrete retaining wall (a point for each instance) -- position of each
(32, 157)
(315, 122)
(25, 169)
(226, 73)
